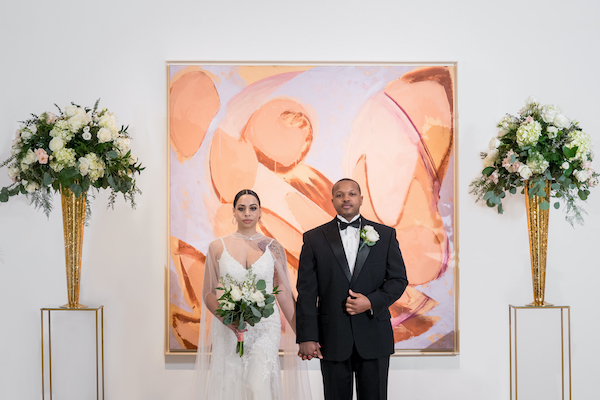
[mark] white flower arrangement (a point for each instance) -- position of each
(540, 144)
(368, 236)
(79, 149)
(244, 302)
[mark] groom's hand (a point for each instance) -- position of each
(309, 350)
(357, 303)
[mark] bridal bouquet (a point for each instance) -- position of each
(245, 302)
(538, 145)
(78, 148)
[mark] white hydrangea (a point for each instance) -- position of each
(537, 163)
(583, 142)
(63, 158)
(96, 166)
(529, 133)
(123, 144)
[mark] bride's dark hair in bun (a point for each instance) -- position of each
(243, 192)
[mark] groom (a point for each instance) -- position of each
(345, 287)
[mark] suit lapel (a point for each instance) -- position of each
(332, 234)
(361, 257)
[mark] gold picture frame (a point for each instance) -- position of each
(288, 131)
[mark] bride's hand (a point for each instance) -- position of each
(234, 328)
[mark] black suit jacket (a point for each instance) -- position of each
(323, 282)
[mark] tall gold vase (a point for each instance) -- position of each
(537, 222)
(73, 211)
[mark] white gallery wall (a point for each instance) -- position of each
(66, 50)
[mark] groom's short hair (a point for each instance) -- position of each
(342, 180)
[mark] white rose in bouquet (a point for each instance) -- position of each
(494, 143)
(552, 132)
(71, 110)
(104, 135)
(13, 172)
(525, 171)
(84, 166)
(581, 175)
(56, 144)
(549, 112)
(32, 187)
(236, 293)
(491, 158)
(258, 298)
(30, 157)
(560, 121)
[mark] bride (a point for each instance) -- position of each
(257, 375)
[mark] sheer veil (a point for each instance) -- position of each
(294, 375)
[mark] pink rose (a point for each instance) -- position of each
(516, 166)
(494, 177)
(586, 164)
(42, 156)
(50, 118)
(528, 119)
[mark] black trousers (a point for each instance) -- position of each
(371, 378)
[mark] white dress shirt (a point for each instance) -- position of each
(350, 241)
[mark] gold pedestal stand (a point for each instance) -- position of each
(99, 314)
(542, 359)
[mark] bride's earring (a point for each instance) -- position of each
(233, 221)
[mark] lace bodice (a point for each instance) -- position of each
(263, 268)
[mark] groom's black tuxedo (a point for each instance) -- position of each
(324, 280)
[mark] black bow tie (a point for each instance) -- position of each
(354, 224)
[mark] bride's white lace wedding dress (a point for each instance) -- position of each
(257, 375)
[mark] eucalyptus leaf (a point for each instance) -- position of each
(557, 205)
(261, 285)
(4, 195)
(544, 205)
(111, 182)
(488, 171)
(255, 311)
(488, 195)
(47, 180)
(76, 189)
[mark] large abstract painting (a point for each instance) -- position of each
(289, 131)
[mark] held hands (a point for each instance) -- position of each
(357, 303)
(309, 350)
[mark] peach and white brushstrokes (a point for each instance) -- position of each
(289, 132)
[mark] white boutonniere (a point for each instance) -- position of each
(368, 236)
